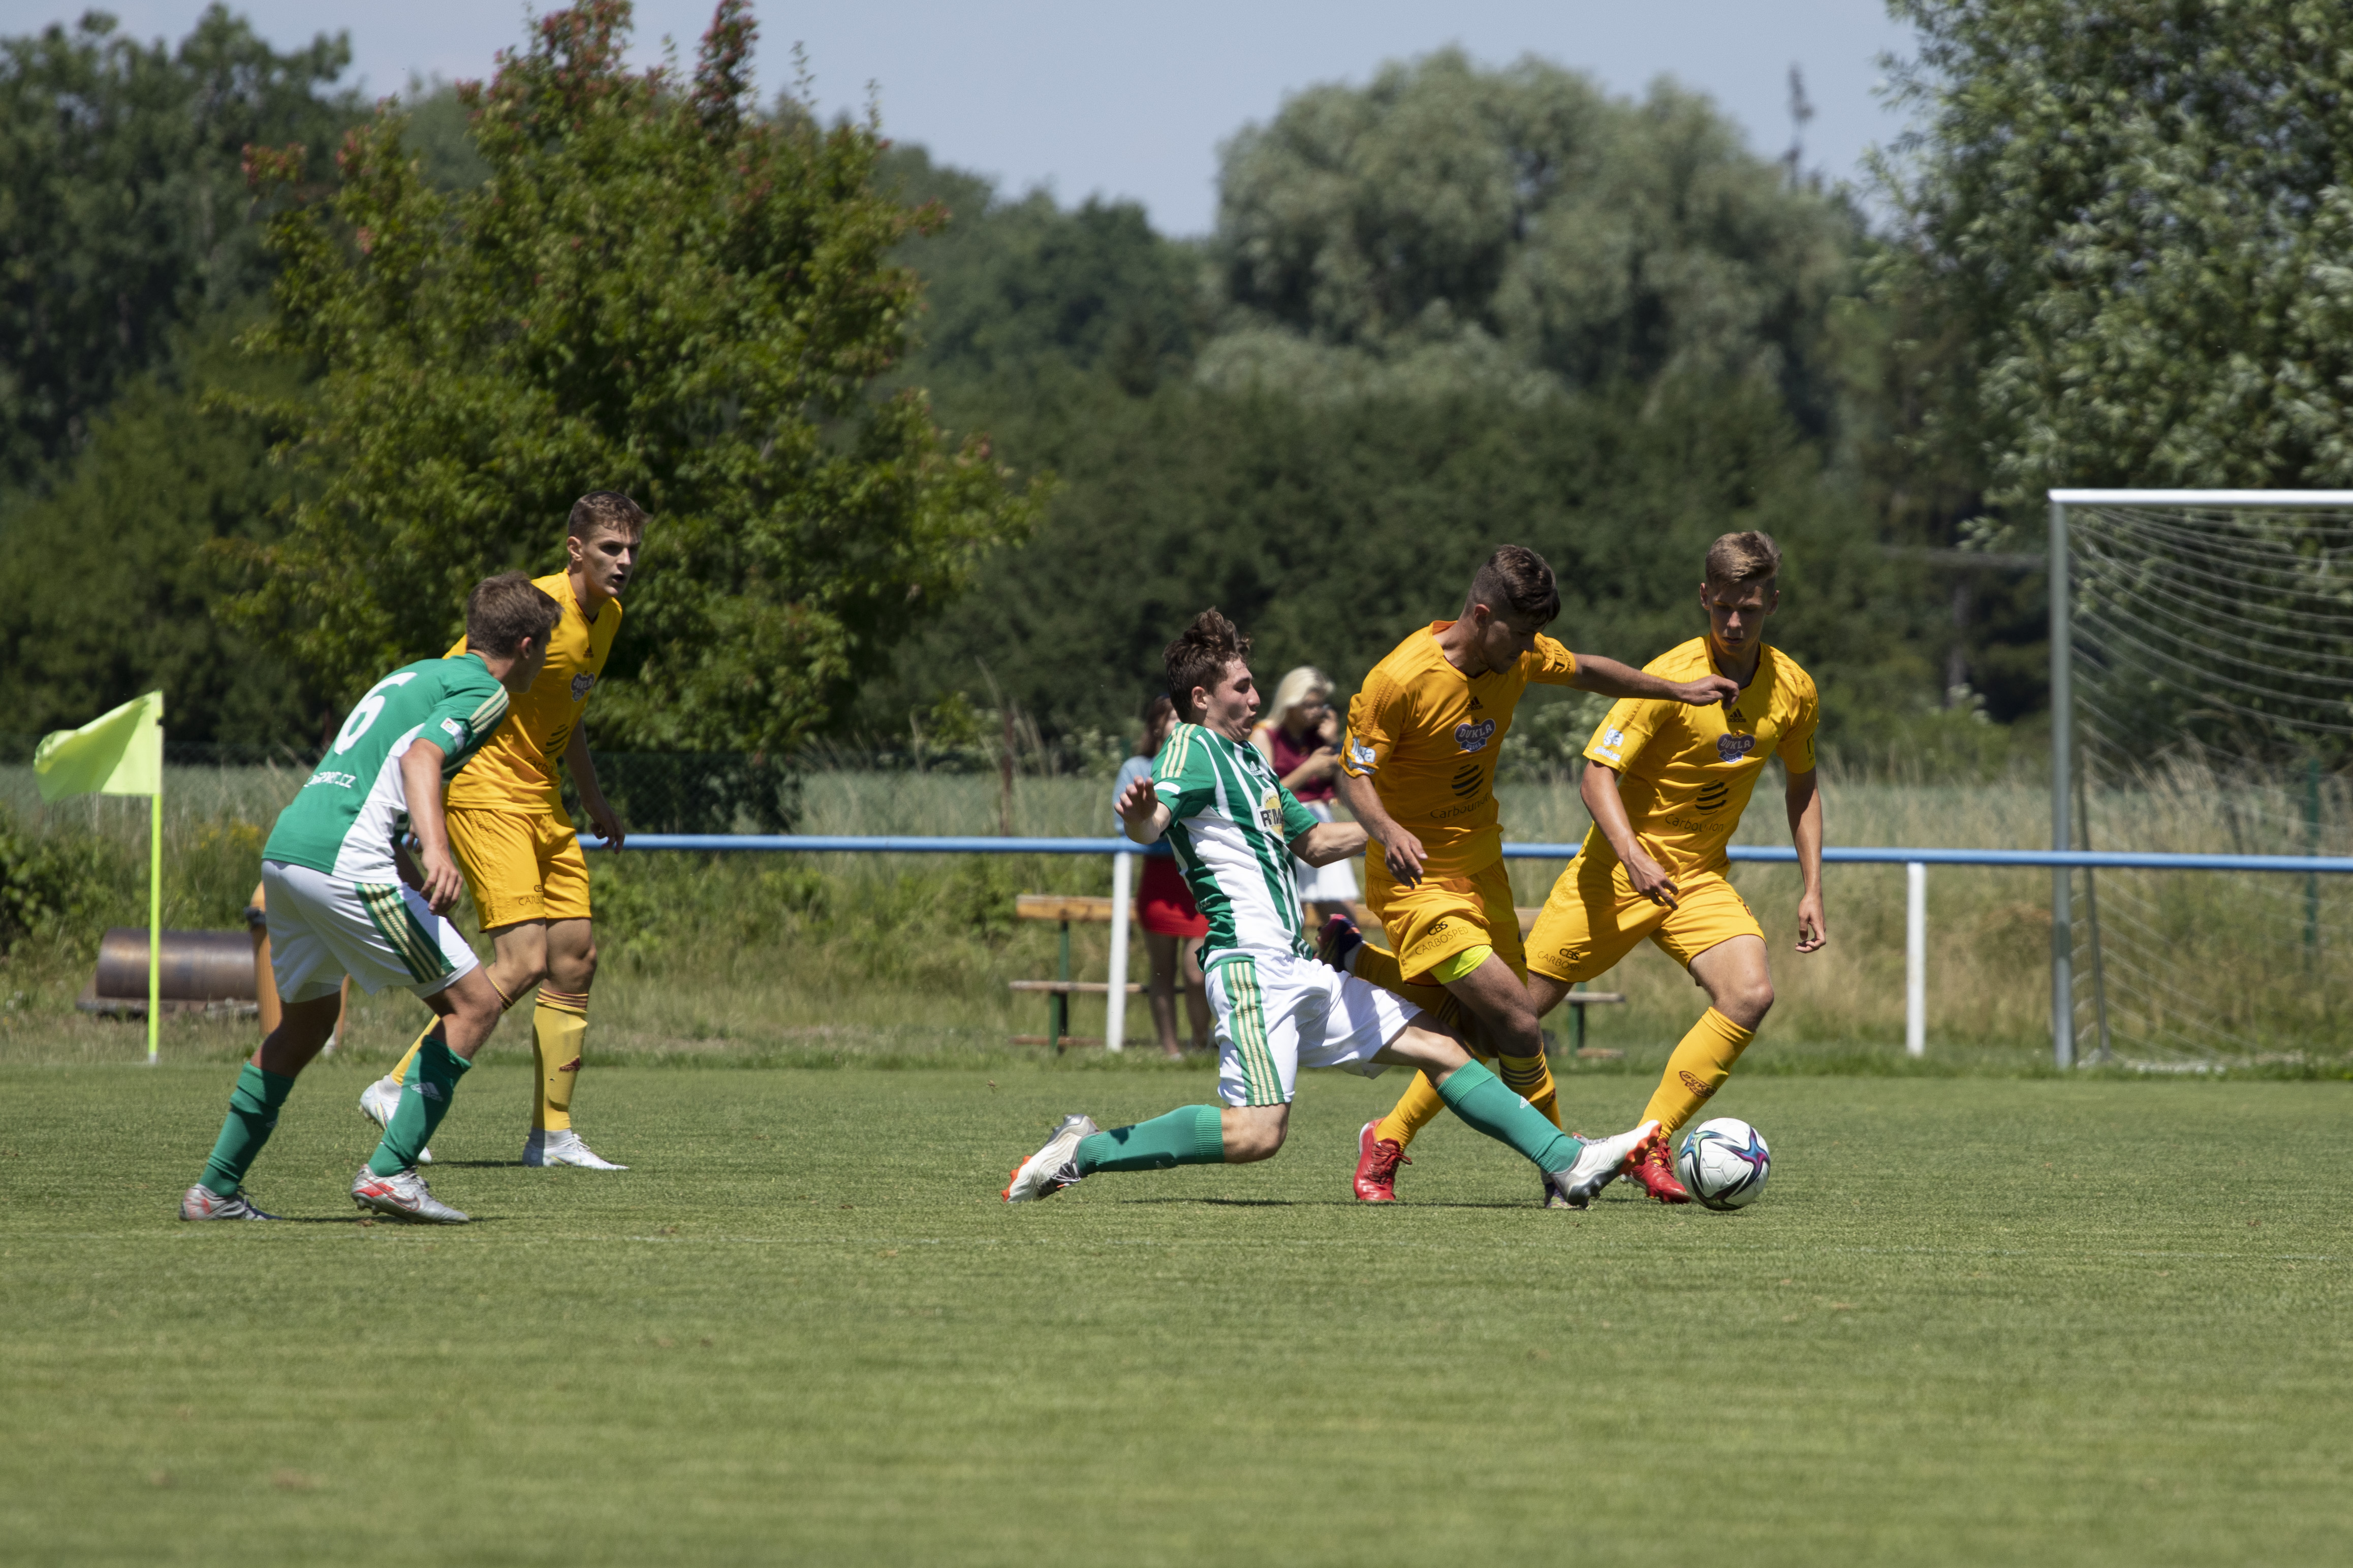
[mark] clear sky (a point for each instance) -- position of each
(1129, 100)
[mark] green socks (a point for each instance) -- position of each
(1478, 1097)
(252, 1113)
(1193, 1136)
(425, 1094)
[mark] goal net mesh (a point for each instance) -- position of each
(2214, 713)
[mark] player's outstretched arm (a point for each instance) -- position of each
(1805, 802)
(1329, 841)
(1609, 678)
(420, 782)
(1142, 812)
(601, 815)
(1644, 875)
(1401, 850)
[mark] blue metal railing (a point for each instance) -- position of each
(2099, 860)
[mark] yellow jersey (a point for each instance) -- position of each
(517, 770)
(1684, 773)
(1427, 735)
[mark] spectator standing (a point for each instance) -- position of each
(1173, 925)
(1299, 738)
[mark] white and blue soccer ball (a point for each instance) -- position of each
(1723, 1164)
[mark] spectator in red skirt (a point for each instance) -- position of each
(1173, 926)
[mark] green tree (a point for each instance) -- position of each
(117, 585)
(656, 290)
(2134, 219)
(122, 210)
(1017, 290)
(1516, 228)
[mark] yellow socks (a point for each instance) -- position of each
(1702, 1060)
(400, 1068)
(1530, 1078)
(558, 1025)
(1412, 1112)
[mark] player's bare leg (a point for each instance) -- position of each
(1739, 985)
(560, 958)
(468, 1010)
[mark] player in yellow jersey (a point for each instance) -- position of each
(1417, 769)
(516, 843)
(1666, 785)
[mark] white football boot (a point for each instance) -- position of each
(564, 1148)
(402, 1196)
(1055, 1166)
(200, 1202)
(1601, 1162)
(378, 1100)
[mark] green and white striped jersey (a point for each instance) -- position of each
(1231, 824)
(344, 817)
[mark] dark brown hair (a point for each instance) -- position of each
(504, 610)
(1738, 559)
(1200, 657)
(1156, 707)
(606, 512)
(1518, 580)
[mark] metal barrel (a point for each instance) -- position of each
(197, 965)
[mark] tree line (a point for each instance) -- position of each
(281, 372)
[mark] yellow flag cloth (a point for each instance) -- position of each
(120, 752)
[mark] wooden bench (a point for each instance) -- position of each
(1063, 908)
(1066, 907)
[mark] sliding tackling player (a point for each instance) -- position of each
(516, 842)
(337, 906)
(1418, 770)
(1234, 830)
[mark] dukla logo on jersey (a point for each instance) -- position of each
(580, 685)
(1360, 755)
(1475, 737)
(1732, 748)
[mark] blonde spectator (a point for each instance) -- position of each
(1300, 738)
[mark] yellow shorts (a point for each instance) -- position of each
(520, 865)
(1592, 919)
(1441, 916)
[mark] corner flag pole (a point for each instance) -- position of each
(155, 923)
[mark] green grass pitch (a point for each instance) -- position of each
(1972, 1321)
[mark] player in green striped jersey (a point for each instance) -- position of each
(344, 897)
(1234, 830)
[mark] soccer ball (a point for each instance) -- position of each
(1723, 1164)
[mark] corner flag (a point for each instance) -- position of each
(121, 752)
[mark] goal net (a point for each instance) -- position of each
(2211, 649)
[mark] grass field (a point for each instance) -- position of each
(1977, 1319)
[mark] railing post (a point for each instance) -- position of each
(1116, 999)
(1059, 1015)
(1916, 959)
(2063, 771)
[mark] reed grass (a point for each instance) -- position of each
(822, 960)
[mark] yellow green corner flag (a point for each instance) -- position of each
(120, 752)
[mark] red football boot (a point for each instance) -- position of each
(1654, 1171)
(1377, 1163)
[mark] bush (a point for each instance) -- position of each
(61, 884)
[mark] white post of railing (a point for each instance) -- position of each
(1916, 959)
(1116, 999)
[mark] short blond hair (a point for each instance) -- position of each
(1737, 560)
(1299, 686)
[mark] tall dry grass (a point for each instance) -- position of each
(839, 957)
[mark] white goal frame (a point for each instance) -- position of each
(2063, 709)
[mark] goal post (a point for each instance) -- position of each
(2283, 619)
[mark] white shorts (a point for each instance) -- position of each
(1332, 884)
(322, 928)
(1276, 1015)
